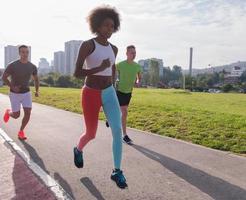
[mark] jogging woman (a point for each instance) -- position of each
(99, 55)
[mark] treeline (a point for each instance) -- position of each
(58, 80)
(163, 78)
(204, 82)
(174, 78)
(170, 78)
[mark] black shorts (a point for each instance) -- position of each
(124, 98)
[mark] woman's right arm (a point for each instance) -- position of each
(84, 51)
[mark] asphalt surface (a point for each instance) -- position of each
(17, 181)
(155, 167)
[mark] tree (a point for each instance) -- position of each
(146, 79)
(77, 83)
(64, 81)
(227, 88)
(154, 73)
(176, 73)
(49, 80)
(189, 82)
(167, 73)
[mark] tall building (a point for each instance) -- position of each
(1, 73)
(52, 65)
(11, 53)
(145, 64)
(43, 66)
(71, 53)
(59, 62)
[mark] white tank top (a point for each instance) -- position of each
(98, 55)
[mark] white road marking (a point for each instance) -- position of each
(55, 187)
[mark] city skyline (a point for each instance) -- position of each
(71, 53)
(11, 53)
(215, 29)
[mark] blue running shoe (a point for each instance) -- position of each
(78, 158)
(118, 177)
(127, 140)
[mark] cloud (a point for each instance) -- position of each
(159, 28)
(168, 28)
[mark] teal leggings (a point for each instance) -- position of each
(92, 100)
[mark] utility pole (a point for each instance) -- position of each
(191, 57)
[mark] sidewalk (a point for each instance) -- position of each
(17, 181)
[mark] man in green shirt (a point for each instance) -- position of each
(129, 73)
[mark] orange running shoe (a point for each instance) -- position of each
(6, 116)
(21, 135)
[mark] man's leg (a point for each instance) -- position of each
(26, 118)
(26, 100)
(124, 111)
(14, 115)
(124, 100)
(27, 107)
(15, 106)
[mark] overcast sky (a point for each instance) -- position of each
(165, 29)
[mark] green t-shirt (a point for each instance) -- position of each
(127, 75)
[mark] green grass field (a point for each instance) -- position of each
(213, 120)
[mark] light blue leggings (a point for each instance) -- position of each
(112, 111)
(92, 100)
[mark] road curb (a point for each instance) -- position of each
(54, 187)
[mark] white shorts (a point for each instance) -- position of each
(17, 99)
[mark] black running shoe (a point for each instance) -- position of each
(107, 124)
(78, 158)
(118, 177)
(127, 140)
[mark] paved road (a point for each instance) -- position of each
(156, 167)
(17, 179)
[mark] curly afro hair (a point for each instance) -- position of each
(99, 14)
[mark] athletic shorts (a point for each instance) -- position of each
(18, 99)
(124, 98)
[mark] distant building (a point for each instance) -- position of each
(237, 71)
(71, 53)
(234, 76)
(145, 64)
(11, 53)
(59, 62)
(43, 66)
(1, 81)
(212, 69)
(52, 66)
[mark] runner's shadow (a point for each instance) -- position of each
(215, 187)
(64, 184)
(92, 188)
(38, 160)
(34, 156)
